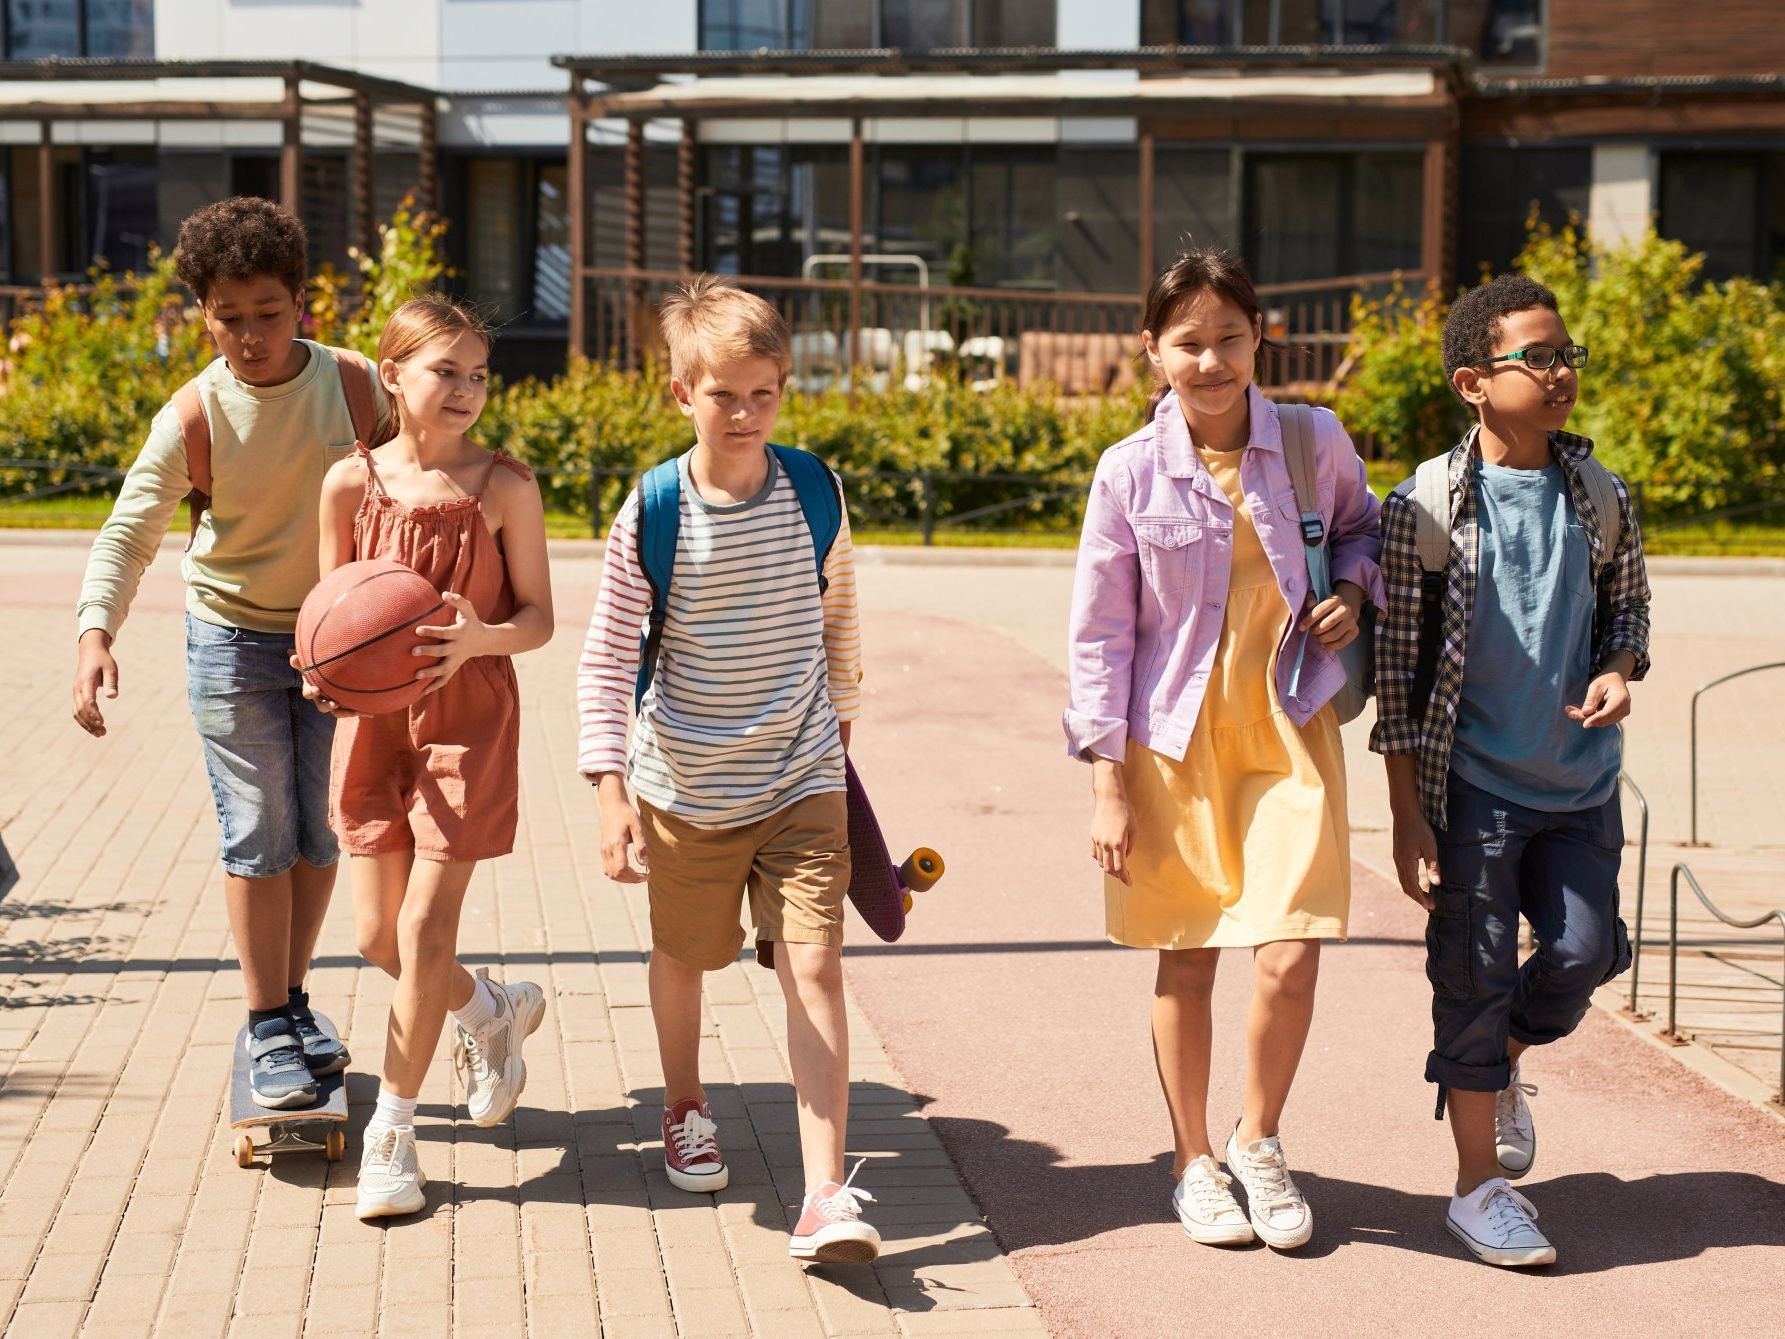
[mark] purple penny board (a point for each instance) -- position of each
(874, 883)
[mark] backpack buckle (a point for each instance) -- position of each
(1313, 529)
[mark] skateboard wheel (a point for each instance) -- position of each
(244, 1151)
(922, 868)
(334, 1147)
(908, 904)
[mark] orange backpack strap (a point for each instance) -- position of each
(362, 401)
(195, 433)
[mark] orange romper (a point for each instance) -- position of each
(442, 776)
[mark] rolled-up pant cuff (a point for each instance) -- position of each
(1525, 1037)
(1467, 1078)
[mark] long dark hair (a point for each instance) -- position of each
(1208, 267)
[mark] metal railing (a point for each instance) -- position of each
(1701, 690)
(882, 334)
(1673, 955)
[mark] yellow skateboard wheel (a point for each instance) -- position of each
(922, 868)
(244, 1150)
(334, 1147)
(908, 904)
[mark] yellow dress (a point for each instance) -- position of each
(1245, 841)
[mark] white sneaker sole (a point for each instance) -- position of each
(700, 1183)
(1510, 1172)
(841, 1244)
(394, 1206)
(529, 1012)
(1523, 1258)
(1210, 1234)
(1281, 1240)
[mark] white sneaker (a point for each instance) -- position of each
(831, 1229)
(1280, 1215)
(490, 1058)
(1497, 1224)
(1515, 1136)
(390, 1175)
(1206, 1207)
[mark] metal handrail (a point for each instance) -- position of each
(1673, 955)
(1702, 689)
(1642, 875)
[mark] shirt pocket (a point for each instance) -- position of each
(1172, 551)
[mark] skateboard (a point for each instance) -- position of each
(320, 1127)
(881, 890)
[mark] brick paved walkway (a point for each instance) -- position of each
(122, 1209)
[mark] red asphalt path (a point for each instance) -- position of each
(1027, 1035)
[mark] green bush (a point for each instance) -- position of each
(1682, 396)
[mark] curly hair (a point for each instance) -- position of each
(241, 238)
(1474, 321)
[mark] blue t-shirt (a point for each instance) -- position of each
(1530, 650)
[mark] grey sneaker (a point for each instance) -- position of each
(1515, 1134)
(322, 1053)
(490, 1058)
(277, 1075)
(390, 1175)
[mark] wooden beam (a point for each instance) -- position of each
(857, 180)
(291, 150)
(1149, 246)
(427, 183)
(142, 111)
(46, 203)
(578, 188)
(635, 238)
(363, 210)
(1438, 199)
(686, 153)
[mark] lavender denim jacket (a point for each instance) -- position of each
(1153, 565)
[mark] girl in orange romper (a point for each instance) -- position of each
(438, 781)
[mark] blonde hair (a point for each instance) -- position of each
(417, 324)
(706, 322)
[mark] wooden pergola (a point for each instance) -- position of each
(1357, 94)
(136, 90)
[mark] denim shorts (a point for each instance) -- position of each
(266, 749)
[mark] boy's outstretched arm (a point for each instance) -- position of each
(121, 553)
(605, 681)
(842, 631)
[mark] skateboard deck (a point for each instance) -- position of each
(318, 1128)
(880, 889)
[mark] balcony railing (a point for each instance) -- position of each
(878, 335)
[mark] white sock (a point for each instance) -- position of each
(390, 1112)
(480, 1008)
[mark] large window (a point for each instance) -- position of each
(911, 25)
(121, 215)
(34, 29)
(1502, 33)
(1730, 206)
(1500, 188)
(1321, 215)
(515, 237)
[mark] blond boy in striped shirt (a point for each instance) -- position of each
(736, 758)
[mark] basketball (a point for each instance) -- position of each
(356, 635)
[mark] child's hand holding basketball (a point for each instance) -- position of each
(467, 636)
(313, 695)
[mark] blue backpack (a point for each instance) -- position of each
(660, 524)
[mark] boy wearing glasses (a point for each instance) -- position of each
(1502, 661)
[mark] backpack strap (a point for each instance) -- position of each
(1297, 423)
(1431, 537)
(659, 525)
(356, 386)
(820, 501)
(1602, 491)
(195, 433)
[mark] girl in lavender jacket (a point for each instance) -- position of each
(1217, 770)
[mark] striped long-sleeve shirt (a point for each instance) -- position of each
(754, 671)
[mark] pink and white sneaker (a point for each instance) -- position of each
(831, 1230)
(690, 1151)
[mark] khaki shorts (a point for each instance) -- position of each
(794, 863)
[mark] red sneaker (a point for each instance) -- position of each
(831, 1229)
(690, 1152)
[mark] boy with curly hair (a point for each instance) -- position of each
(249, 439)
(1517, 616)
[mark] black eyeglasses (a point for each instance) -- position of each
(1540, 357)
